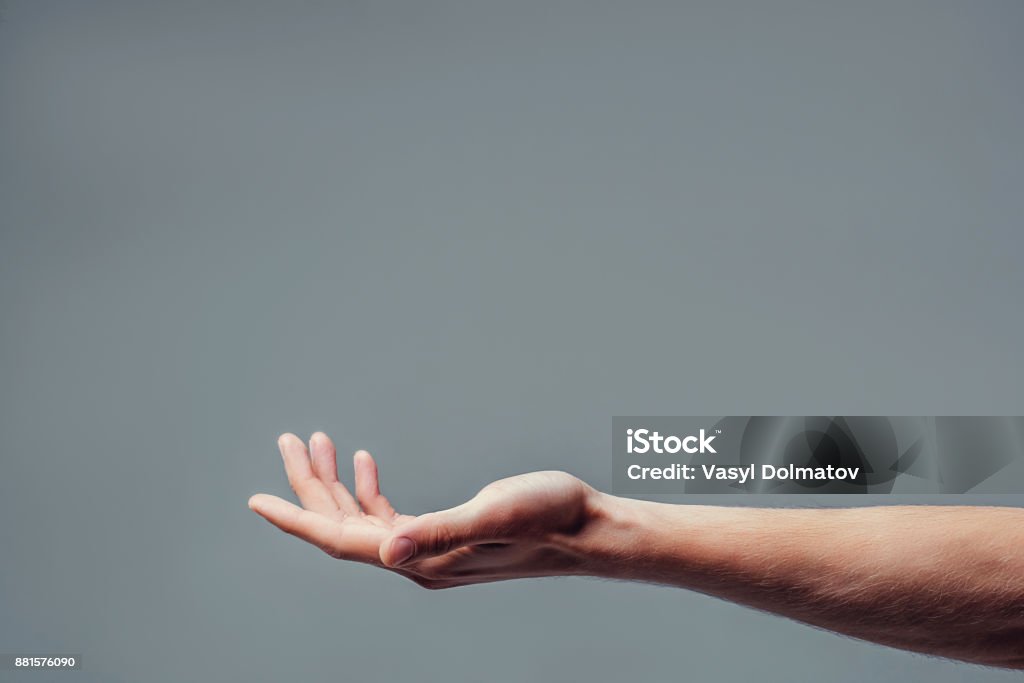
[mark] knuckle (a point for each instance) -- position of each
(441, 538)
(435, 537)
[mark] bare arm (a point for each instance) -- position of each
(947, 581)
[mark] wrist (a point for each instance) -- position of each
(615, 540)
(642, 540)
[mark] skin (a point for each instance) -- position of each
(946, 581)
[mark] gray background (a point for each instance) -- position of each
(464, 235)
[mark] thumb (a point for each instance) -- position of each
(436, 533)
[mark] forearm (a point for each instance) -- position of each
(941, 580)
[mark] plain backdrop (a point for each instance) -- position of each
(463, 235)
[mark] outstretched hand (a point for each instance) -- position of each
(513, 528)
(871, 573)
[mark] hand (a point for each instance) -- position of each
(342, 526)
(518, 527)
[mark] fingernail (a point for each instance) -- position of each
(402, 549)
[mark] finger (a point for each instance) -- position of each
(361, 544)
(437, 533)
(311, 491)
(323, 456)
(368, 487)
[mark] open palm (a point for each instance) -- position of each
(513, 528)
(343, 526)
